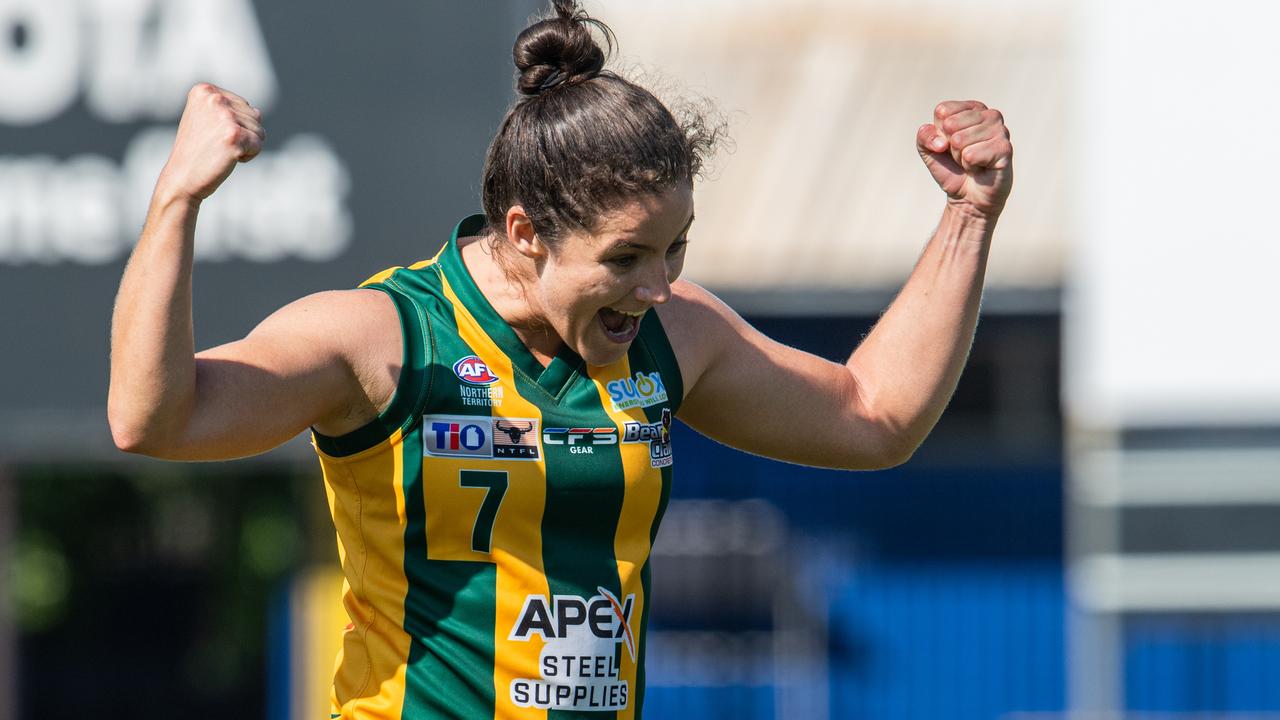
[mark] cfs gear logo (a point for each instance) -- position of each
(657, 434)
(473, 371)
(464, 436)
(578, 665)
(641, 392)
(580, 440)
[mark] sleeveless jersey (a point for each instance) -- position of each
(494, 523)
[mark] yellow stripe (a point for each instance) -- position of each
(643, 492)
(369, 515)
(381, 276)
(517, 533)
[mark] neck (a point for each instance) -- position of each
(505, 283)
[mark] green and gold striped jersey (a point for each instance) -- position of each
(494, 523)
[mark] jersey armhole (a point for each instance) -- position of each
(653, 338)
(412, 389)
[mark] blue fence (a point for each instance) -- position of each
(940, 587)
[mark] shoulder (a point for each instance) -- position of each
(358, 329)
(336, 317)
(699, 326)
(693, 312)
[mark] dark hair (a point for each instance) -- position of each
(582, 139)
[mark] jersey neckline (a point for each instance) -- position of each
(558, 373)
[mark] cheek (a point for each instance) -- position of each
(576, 295)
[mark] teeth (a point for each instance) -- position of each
(636, 314)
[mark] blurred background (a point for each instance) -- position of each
(1092, 531)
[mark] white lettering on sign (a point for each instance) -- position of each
(39, 59)
(134, 59)
(288, 202)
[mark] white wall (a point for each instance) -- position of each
(1172, 282)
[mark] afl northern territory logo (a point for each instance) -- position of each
(473, 371)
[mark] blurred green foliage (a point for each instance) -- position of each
(156, 573)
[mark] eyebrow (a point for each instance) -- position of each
(639, 246)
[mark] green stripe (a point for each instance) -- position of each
(653, 351)
(451, 604)
(584, 501)
(413, 387)
(448, 613)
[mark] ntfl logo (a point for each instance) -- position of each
(473, 371)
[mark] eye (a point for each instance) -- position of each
(623, 261)
(677, 247)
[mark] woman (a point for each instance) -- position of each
(493, 424)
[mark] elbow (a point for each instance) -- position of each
(131, 433)
(128, 436)
(884, 451)
(891, 443)
(896, 451)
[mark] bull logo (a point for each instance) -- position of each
(513, 431)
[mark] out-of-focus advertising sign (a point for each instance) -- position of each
(377, 120)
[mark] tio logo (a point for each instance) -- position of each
(473, 371)
(457, 436)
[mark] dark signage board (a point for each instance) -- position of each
(378, 116)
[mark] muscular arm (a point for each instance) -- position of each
(871, 412)
(874, 410)
(314, 362)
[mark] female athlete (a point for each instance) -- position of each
(494, 424)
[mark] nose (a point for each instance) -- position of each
(656, 287)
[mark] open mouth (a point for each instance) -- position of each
(620, 327)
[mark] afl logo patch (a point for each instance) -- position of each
(473, 371)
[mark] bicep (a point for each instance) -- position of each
(758, 395)
(293, 371)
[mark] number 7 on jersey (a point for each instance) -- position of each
(496, 483)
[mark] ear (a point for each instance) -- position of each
(521, 235)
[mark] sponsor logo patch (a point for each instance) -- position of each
(578, 666)
(480, 437)
(656, 434)
(580, 441)
(515, 439)
(642, 391)
(473, 371)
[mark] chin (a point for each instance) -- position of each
(599, 356)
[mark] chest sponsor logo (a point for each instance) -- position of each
(515, 439)
(580, 441)
(642, 391)
(473, 371)
(578, 668)
(656, 434)
(466, 436)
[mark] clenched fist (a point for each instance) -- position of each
(967, 150)
(218, 129)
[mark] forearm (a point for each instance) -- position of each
(153, 371)
(908, 366)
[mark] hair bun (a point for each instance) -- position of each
(559, 50)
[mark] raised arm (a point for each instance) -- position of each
(311, 363)
(873, 411)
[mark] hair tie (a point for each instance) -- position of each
(551, 80)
